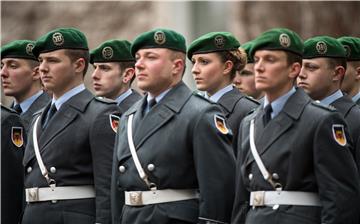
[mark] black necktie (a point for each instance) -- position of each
(50, 114)
(267, 115)
(152, 103)
(17, 108)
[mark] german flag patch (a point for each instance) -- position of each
(17, 136)
(221, 124)
(114, 122)
(339, 134)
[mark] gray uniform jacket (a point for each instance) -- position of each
(236, 106)
(38, 104)
(351, 113)
(298, 145)
(358, 102)
(76, 147)
(129, 101)
(179, 137)
(12, 170)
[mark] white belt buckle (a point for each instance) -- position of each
(136, 198)
(258, 198)
(33, 194)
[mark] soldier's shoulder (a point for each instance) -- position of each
(105, 100)
(322, 107)
(199, 97)
(5, 109)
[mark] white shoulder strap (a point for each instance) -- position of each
(258, 160)
(43, 169)
(135, 157)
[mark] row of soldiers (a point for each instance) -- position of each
(174, 155)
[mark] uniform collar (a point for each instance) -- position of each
(215, 98)
(25, 105)
(123, 96)
(67, 96)
(278, 104)
(329, 99)
(356, 97)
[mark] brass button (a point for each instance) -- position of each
(122, 169)
(151, 167)
(52, 169)
(29, 169)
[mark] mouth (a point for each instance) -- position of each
(97, 86)
(302, 84)
(141, 76)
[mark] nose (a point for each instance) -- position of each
(95, 74)
(4, 72)
(43, 68)
(195, 69)
(302, 74)
(139, 64)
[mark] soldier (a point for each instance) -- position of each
(245, 79)
(173, 158)
(21, 79)
(69, 153)
(351, 83)
(216, 58)
(295, 164)
(12, 170)
(114, 72)
(322, 73)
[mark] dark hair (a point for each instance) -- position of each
(77, 54)
(293, 58)
(238, 57)
(127, 64)
(333, 62)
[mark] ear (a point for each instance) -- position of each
(128, 74)
(178, 66)
(79, 65)
(295, 69)
(357, 73)
(339, 73)
(35, 73)
(228, 66)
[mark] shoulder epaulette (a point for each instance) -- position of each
(105, 100)
(320, 105)
(8, 109)
(201, 96)
(252, 99)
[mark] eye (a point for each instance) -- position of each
(204, 61)
(13, 65)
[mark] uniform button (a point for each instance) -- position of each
(122, 169)
(275, 176)
(250, 176)
(52, 169)
(151, 167)
(29, 169)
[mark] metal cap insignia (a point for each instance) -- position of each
(159, 37)
(58, 39)
(284, 40)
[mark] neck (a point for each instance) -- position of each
(33, 90)
(273, 95)
(58, 93)
(222, 85)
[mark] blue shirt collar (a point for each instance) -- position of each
(25, 105)
(157, 99)
(356, 97)
(329, 99)
(215, 98)
(278, 104)
(67, 96)
(123, 96)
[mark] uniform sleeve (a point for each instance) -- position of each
(102, 138)
(241, 201)
(336, 172)
(215, 168)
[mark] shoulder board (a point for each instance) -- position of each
(105, 100)
(201, 96)
(8, 109)
(252, 99)
(320, 105)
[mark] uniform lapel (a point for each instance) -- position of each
(229, 100)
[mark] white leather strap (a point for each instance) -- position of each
(135, 157)
(39, 160)
(270, 198)
(59, 193)
(139, 198)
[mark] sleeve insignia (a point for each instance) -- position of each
(220, 124)
(17, 136)
(339, 134)
(114, 122)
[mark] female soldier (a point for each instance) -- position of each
(216, 57)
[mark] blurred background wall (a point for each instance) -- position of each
(103, 20)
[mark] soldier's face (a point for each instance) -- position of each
(17, 77)
(316, 78)
(57, 71)
(351, 78)
(154, 70)
(209, 72)
(273, 75)
(107, 79)
(245, 81)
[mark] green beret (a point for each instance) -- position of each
(323, 46)
(213, 42)
(159, 38)
(278, 39)
(247, 47)
(62, 38)
(112, 51)
(352, 47)
(19, 49)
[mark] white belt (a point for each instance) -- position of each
(59, 193)
(270, 198)
(138, 198)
